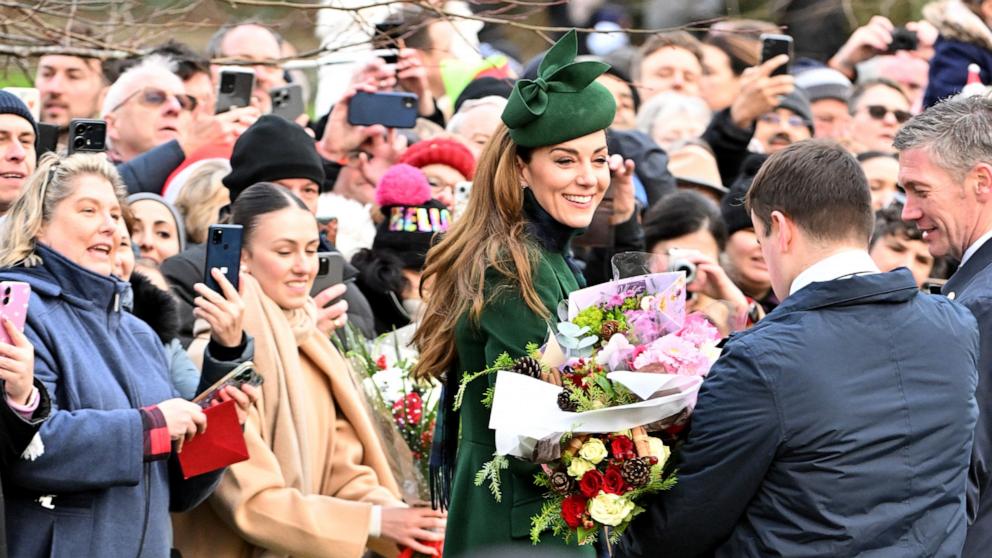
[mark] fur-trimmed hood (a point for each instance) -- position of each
(155, 307)
(956, 22)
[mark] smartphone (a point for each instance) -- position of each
(287, 101)
(224, 253)
(245, 373)
(234, 89)
(47, 140)
(903, 39)
(771, 46)
(88, 136)
(14, 297)
(462, 191)
(392, 110)
(31, 97)
(329, 273)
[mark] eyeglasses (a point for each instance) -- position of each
(878, 112)
(155, 97)
(774, 119)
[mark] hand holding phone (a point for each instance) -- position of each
(245, 373)
(17, 370)
(773, 45)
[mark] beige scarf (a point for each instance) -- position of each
(281, 337)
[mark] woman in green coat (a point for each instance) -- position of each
(496, 280)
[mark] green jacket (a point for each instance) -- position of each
(475, 519)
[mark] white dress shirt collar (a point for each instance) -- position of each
(975, 246)
(841, 264)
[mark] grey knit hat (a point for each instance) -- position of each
(180, 224)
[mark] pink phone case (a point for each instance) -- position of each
(14, 297)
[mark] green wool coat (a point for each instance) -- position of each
(476, 521)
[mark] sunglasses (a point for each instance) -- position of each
(775, 119)
(154, 97)
(878, 112)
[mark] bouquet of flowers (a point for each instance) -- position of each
(404, 408)
(625, 360)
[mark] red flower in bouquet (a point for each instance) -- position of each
(573, 510)
(410, 409)
(622, 447)
(381, 362)
(591, 483)
(613, 482)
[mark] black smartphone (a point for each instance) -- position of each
(287, 101)
(224, 253)
(47, 140)
(771, 46)
(234, 89)
(329, 273)
(245, 373)
(903, 39)
(392, 110)
(87, 136)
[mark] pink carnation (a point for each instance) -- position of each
(673, 354)
(698, 330)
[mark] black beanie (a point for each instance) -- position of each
(12, 104)
(407, 231)
(271, 149)
(484, 87)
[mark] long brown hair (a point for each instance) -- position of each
(488, 235)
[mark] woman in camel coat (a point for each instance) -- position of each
(317, 482)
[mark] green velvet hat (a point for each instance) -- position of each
(563, 103)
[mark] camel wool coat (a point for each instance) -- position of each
(316, 466)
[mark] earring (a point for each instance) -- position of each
(524, 186)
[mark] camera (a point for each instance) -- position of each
(685, 266)
(228, 82)
(903, 39)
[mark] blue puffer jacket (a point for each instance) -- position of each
(100, 364)
(840, 425)
(964, 39)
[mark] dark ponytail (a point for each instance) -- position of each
(257, 200)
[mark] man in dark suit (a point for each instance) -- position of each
(839, 425)
(945, 166)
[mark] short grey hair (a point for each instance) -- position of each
(672, 106)
(956, 133)
(134, 77)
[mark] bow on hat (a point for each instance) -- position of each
(558, 73)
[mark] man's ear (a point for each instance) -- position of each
(981, 174)
(785, 229)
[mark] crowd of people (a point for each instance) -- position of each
(823, 209)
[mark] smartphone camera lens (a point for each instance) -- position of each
(227, 84)
(408, 103)
(79, 142)
(217, 237)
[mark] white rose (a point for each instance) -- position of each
(579, 466)
(610, 509)
(659, 449)
(593, 451)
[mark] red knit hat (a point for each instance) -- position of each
(441, 151)
(402, 184)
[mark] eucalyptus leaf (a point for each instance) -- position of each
(569, 329)
(588, 341)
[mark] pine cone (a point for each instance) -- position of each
(528, 367)
(609, 329)
(565, 402)
(561, 483)
(636, 472)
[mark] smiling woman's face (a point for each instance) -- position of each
(83, 227)
(569, 179)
